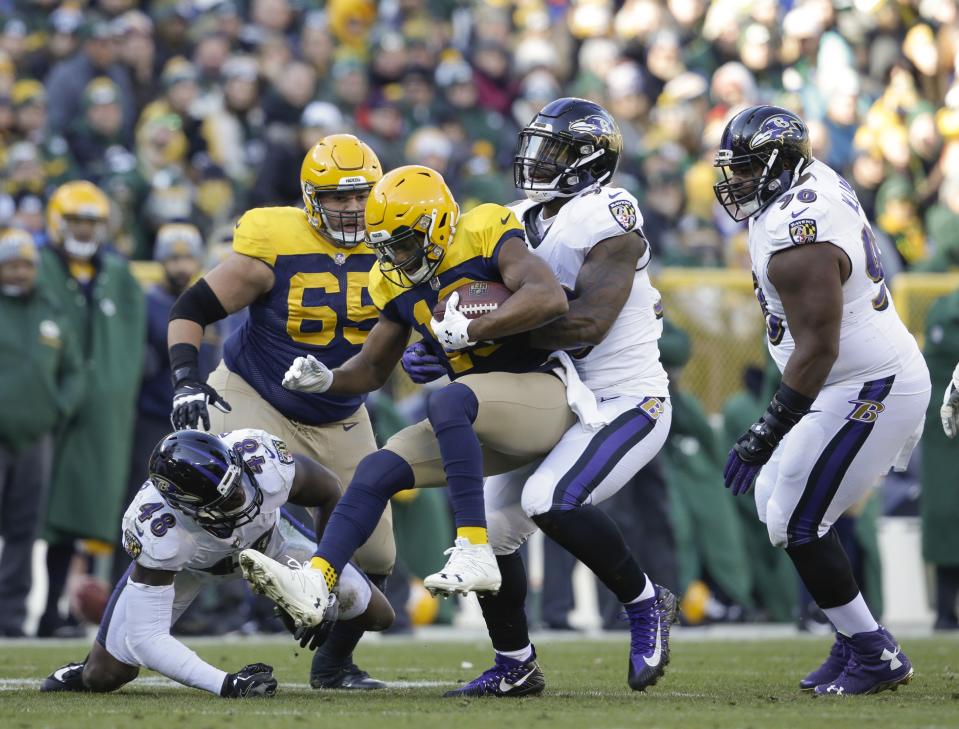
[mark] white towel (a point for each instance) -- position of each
(581, 399)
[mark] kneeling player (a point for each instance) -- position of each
(207, 499)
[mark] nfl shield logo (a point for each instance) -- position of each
(802, 231)
(624, 213)
(339, 259)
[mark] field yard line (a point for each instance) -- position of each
(17, 684)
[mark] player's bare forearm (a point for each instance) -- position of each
(370, 368)
(602, 288)
(184, 331)
(315, 485)
(809, 281)
(537, 299)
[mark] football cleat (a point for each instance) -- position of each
(649, 622)
(301, 592)
(349, 676)
(470, 568)
(875, 663)
(67, 678)
(507, 677)
(831, 667)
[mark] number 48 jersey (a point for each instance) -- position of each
(160, 537)
(822, 207)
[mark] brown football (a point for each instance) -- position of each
(89, 596)
(476, 298)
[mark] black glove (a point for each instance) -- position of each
(755, 447)
(255, 679)
(190, 399)
(311, 637)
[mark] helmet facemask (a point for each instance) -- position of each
(343, 228)
(547, 166)
(237, 504)
(751, 181)
(408, 257)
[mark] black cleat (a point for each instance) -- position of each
(348, 677)
(67, 678)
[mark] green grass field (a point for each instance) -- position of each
(708, 684)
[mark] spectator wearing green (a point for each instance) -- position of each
(709, 537)
(939, 505)
(103, 304)
(40, 386)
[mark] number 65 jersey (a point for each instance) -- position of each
(822, 206)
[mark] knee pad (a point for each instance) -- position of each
(537, 496)
(454, 403)
(507, 529)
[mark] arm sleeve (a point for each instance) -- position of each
(148, 620)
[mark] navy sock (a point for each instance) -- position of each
(505, 612)
(378, 476)
(451, 412)
(593, 538)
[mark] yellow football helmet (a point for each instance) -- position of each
(411, 218)
(338, 163)
(78, 201)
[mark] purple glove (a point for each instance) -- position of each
(420, 365)
(738, 474)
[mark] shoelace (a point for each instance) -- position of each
(643, 624)
(462, 560)
(500, 669)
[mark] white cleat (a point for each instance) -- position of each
(470, 568)
(301, 592)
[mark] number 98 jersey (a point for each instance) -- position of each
(158, 536)
(822, 207)
(319, 304)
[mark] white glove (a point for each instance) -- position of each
(452, 331)
(308, 374)
(949, 412)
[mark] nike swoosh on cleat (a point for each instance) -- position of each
(60, 673)
(796, 215)
(505, 687)
(654, 659)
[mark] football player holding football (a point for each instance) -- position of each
(854, 384)
(505, 407)
(590, 234)
(304, 274)
(208, 498)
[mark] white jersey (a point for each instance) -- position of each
(873, 342)
(627, 360)
(160, 537)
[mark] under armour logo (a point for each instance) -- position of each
(866, 411)
(893, 658)
(318, 603)
(446, 577)
(834, 689)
